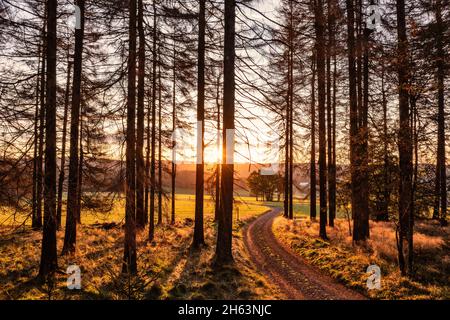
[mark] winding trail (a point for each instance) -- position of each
(296, 279)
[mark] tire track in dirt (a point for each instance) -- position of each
(293, 275)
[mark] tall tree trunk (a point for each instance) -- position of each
(160, 190)
(441, 177)
(320, 45)
(384, 216)
(404, 141)
(72, 212)
(200, 168)
(35, 222)
(358, 199)
(80, 164)
(364, 139)
(140, 164)
(129, 257)
(151, 230)
(291, 111)
(224, 232)
(49, 261)
(62, 170)
(330, 52)
(332, 177)
(147, 158)
(312, 179)
(217, 202)
(174, 124)
(286, 164)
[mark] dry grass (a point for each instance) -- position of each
(168, 268)
(348, 263)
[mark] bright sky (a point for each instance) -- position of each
(255, 142)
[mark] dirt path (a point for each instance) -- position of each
(295, 278)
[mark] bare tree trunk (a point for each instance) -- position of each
(358, 199)
(147, 160)
(160, 190)
(404, 140)
(151, 231)
(217, 202)
(140, 164)
(72, 212)
(441, 179)
(333, 162)
(364, 140)
(330, 52)
(174, 124)
(129, 257)
(224, 232)
(37, 222)
(62, 170)
(49, 262)
(320, 45)
(313, 182)
(200, 168)
(80, 166)
(386, 180)
(286, 164)
(415, 143)
(34, 218)
(291, 112)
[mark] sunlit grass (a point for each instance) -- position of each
(301, 208)
(347, 263)
(244, 208)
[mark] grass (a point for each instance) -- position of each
(168, 268)
(301, 208)
(184, 208)
(348, 263)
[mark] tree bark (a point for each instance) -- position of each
(36, 222)
(129, 258)
(49, 262)
(160, 190)
(441, 177)
(364, 139)
(174, 124)
(320, 47)
(404, 141)
(151, 231)
(330, 52)
(313, 182)
(140, 164)
(384, 216)
(73, 205)
(224, 232)
(217, 202)
(62, 170)
(80, 165)
(291, 111)
(200, 168)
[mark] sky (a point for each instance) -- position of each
(255, 142)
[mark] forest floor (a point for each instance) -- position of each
(168, 268)
(348, 263)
